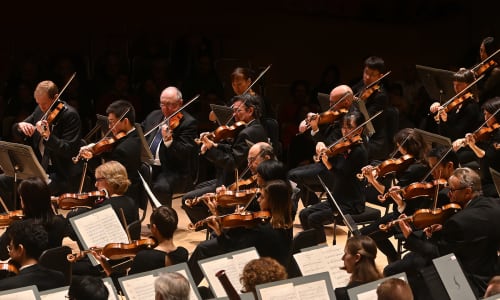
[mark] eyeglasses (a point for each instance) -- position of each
(169, 104)
(457, 189)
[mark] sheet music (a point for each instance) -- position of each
(57, 295)
(369, 295)
(279, 292)
(324, 259)
(140, 288)
(312, 291)
(192, 294)
(233, 266)
(23, 295)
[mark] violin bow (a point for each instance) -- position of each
(116, 123)
(474, 69)
(149, 192)
(349, 222)
(249, 87)
(124, 220)
(358, 94)
(459, 94)
(58, 96)
(171, 115)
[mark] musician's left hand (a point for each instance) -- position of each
(405, 226)
(166, 133)
(43, 128)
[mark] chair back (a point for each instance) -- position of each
(56, 259)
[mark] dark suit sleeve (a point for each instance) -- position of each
(183, 139)
(226, 156)
(65, 140)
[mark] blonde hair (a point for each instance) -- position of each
(115, 175)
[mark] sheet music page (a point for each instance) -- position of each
(100, 227)
(369, 295)
(22, 295)
(324, 259)
(140, 288)
(55, 295)
(111, 290)
(192, 295)
(312, 291)
(279, 292)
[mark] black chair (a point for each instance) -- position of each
(56, 259)
(134, 228)
(304, 239)
(365, 218)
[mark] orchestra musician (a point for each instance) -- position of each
(54, 143)
(346, 189)
(271, 238)
(472, 234)
(409, 143)
(489, 87)
(229, 156)
(125, 145)
(322, 135)
(36, 205)
(27, 240)
(487, 151)
(465, 118)
(173, 145)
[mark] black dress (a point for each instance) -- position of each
(151, 259)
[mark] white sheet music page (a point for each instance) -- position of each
(192, 295)
(324, 259)
(140, 288)
(312, 291)
(280, 292)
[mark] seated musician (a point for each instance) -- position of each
(341, 98)
(173, 147)
(125, 147)
(487, 145)
(271, 238)
(412, 147)
(27, 241)
(461, 120)
(163, 222)
(228, 156)
(347, 189)
(472, 233)
(36, 205)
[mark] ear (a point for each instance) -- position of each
(358, 257)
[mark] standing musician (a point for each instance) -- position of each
(54, 139)
(465, 118)
(173, 146)
(488, 150)
(375, 99)
(229, 156)
(409, 143)
(472, 234)
(322, 135)
(271, 239)
(125, 146)
(346, 189)
(489, 87)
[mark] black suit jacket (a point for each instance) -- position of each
(180, 156)
(44, 279)
(229, 156)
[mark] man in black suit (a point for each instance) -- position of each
(173, 145)
(53, 131)
(28, 240)
(472, 234)
(229, 156)
(125, 146)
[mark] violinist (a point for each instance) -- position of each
(27, 240)
(172, 145)
(489, 87)
(228, 156)
(55, 139)
(461, 120)
(163, 224)
(409, 143)
(472, 234)
(346, 188)
(271, 239)
(375, 99)
(487, 151)
(125, 147)
(36, 205)
(305, 176)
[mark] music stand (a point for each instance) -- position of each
(437, 82)
(433, 139)
(146, 154)
(324, 101)
(19, 161)
(222, 113)
(101, 126)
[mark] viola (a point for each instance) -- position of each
(9, 268)
(340, 147)
(117, 250)
(391, 165)
(417, 189)
(223, 132)
(426, 217)
(241, 219)
(11, 216)
(104, 145)
(70, 200)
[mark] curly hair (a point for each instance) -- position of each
(261, 270)
(115, 175)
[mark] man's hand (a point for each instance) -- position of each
(26, 128)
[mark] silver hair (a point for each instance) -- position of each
(468, 178)
(172, 286)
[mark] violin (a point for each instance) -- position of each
(70, 200)
(340, 147)
(117, 250)
(457, 102)
(175, 120)
(223, 132)
(391, 165)
(242, 182)
(9, 268)
(54, 113)
(227, 198)
(485, 65)
(104, 145)
(241, 219)
(484, 133)
(417, 189)
(11, 216)
(426, 217)
(327, 117)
